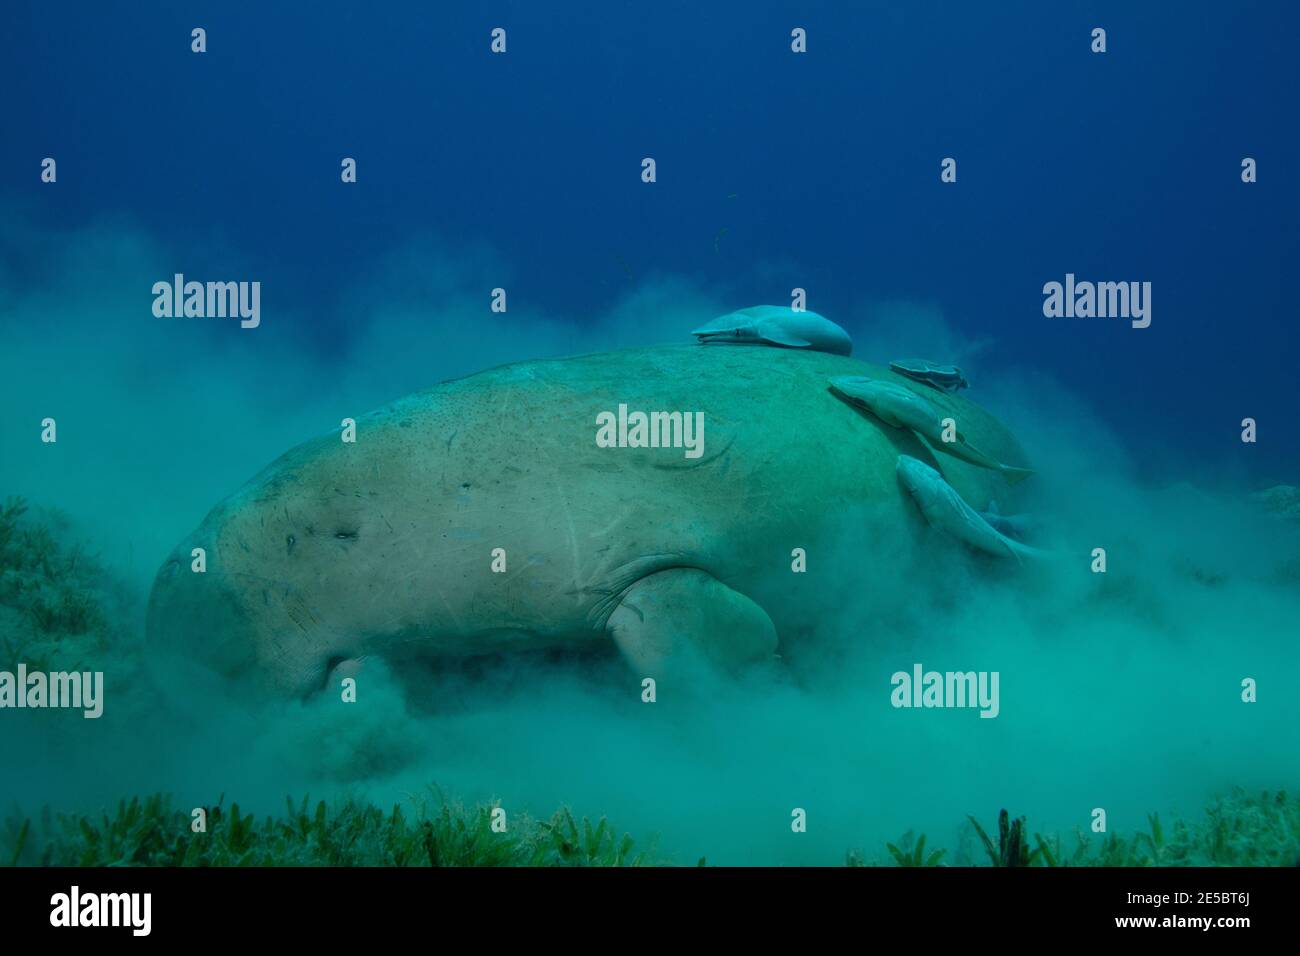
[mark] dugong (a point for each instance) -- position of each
(483, 515)
(777, 325)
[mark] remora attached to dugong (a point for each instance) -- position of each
(901, 407)
(1020, 527)
(777, 325)
(386, 546)
(946, 378)
(945, 510)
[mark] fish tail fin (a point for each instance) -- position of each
(1015, 476)
(1028, 554)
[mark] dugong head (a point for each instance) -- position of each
(290, 576)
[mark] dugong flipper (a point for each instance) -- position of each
(777, 325)
(669, 618)
(945, 510)
(901, 407)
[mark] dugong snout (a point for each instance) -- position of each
(279, 583)
(202, 634)
(196, 627)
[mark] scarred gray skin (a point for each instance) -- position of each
(383, 547)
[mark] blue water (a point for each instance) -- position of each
(823, 168)
(775, 170)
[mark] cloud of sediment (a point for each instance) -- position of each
(1120, 691)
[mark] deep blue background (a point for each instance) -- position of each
(1115, 167)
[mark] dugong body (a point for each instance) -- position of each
(386, 546)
